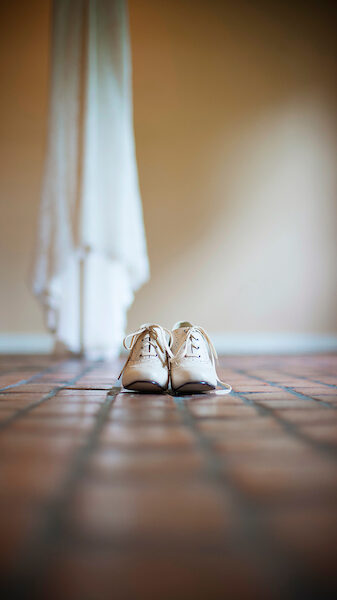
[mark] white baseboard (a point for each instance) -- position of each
(26, 343)
(225, 343)
(273, 343)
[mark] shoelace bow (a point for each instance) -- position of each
(190, 336)
(156, 336)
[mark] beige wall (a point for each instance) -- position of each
(236, 139)
(24, 39)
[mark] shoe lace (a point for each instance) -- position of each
(156, 337)
(188, 342)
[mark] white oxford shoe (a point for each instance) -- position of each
(193, 363)
(146, 369)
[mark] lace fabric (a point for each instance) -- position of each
(91, 252)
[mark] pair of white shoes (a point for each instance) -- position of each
(185, 355)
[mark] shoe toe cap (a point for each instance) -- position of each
(147, 373)
(183, 375)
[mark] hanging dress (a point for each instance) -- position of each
(91, 252)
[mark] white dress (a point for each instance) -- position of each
(91, 250)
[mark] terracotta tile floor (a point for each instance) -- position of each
(114, 495)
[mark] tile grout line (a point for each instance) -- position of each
(35, 557)
(26, 409)
(288, 427)
(249, 511)
(33, 377)
(38, 369)
(331, 385)
(285, 389)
